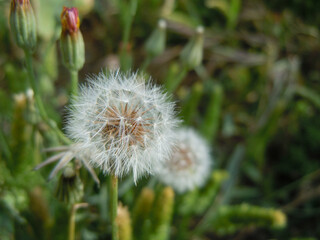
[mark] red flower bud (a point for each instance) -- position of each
(70, 20)
(71, 40)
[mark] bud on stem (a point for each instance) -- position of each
(155, 45)
(71, 40)
(23, 24)
(192, 53)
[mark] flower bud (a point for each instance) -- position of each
(192, 53)
(23, 24)
(163, 211)
(230, 219)
(70, 187)
(124, 223)
(141, 212)
(155, 45)
(279, 219)
(71, 40)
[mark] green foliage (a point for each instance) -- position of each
(249, 84)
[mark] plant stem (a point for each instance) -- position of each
(174, 83)
(146, 63)
(128, 11)
(72, 222)
(74, 82)
(224, 198)
(38, 99)
(114, 205)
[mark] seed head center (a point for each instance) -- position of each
(182, 159)
(126, 123)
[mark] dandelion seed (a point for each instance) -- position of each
(190, 164)
(125, 123)
(64, 156)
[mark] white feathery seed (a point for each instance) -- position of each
(64, 154)
(190, 163)
(126, 123)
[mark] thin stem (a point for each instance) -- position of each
(74, 82)
(174, 83)
(114, 205)
(38, 99)
(72, 222)
(223, 198)
(146, 63)
(128, 11)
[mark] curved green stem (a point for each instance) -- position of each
(38, 100)
(146, 63)
(72, 222)
(174, 83)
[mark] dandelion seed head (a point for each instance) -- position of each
(190, 163)
(126, 123)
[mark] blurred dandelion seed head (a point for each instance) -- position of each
(126, 123)
(190, 164)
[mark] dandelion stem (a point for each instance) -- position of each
(114, 205)
(38, 99)
(72, 222)
(74, 82)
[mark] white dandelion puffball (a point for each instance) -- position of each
(126, 124)
(190, 163)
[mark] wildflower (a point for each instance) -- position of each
(71, 40)
(65, 155)
(189, 165)
(124, 122)
(23, 24)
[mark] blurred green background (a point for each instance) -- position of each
(255, 96)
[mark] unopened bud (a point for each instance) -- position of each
(124, 223)
(279, 219)
(23, 24)
(163, 211)
(192, 53)
(71, 40)
(155, 45)
(70, 187)
(141, 212)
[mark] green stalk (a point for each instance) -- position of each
(114, 205)
(174, 83)
(146, 63)
(211, 120)
(74, 82)
(72, 222)
(128, 12)
(39, 102)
